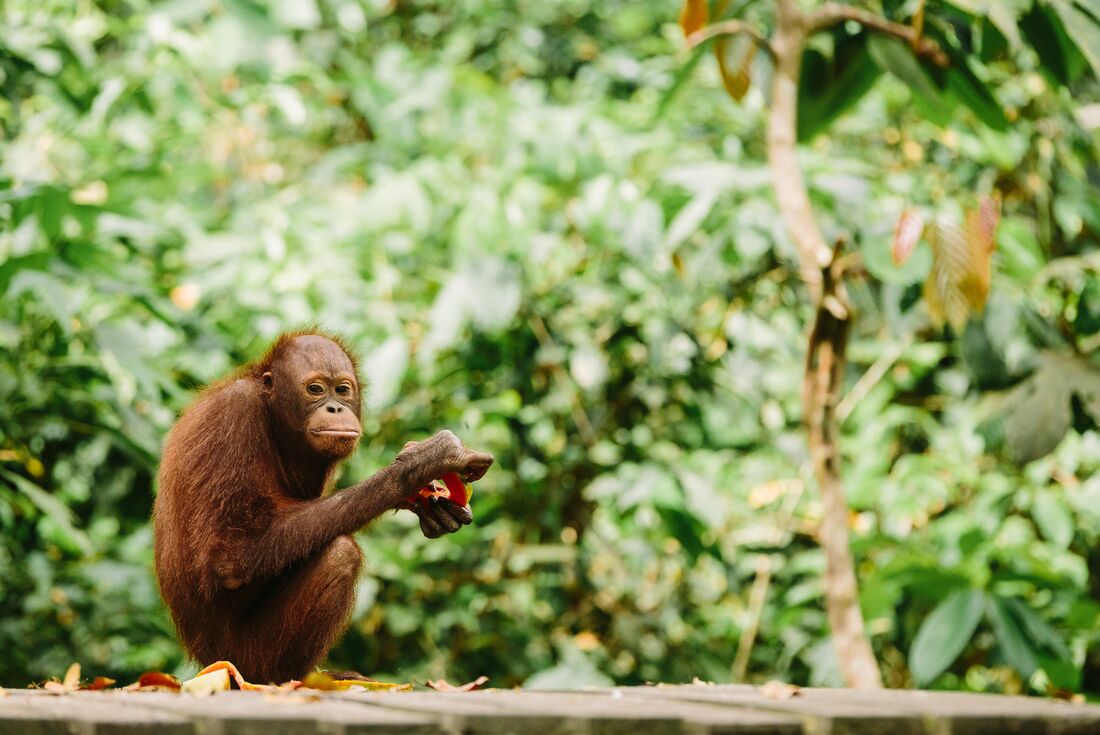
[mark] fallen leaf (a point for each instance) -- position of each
(100, 682)
(70, 683)
(324, 682)
(72, 677)
(155, 681)
(441, 685)
(779, 690)
(208, 683)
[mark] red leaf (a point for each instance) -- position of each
(157, 680)
(907, 233)
(100, 682)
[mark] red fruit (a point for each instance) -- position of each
(450, 486)
(459, 492)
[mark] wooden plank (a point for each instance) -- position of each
(581, 713)
(822, 716)
(613, 713)
(958, 713)
(847, 711)
(459, 713)
(256, 713)
(37, 713)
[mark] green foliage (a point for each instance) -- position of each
(477, 195)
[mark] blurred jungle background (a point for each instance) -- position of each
(551, 227)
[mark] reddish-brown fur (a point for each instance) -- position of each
(256, 564)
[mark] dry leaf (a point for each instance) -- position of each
(325, 682)
(155, 681)
(779, 690)
(70, 683)
(72, 677)
(100, 682)
(441, 685)
(907, 233)
(693, 16)
(208, 683)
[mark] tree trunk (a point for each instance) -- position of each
(825, 352)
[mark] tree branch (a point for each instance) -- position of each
(728, 28)
(822, 381)
(832, 13)
(788, 41)
(820, 268)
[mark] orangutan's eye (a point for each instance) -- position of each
(316, 389)
(343, 389)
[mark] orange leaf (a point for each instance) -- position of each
(156, 680)
(693, 16)
(100, 682)
(441, 685)
(907, 233)
(325, 682)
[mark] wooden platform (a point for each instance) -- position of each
(739, 710)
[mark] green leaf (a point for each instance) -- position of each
(944, 634)
(1012, 639)
(1039, 630)
(68, 535)
(898, 59)
(828, 88)
(679, 78)
(1018, 251)
(1043, 31)
(1039, 411)
(1053, 519)
(1083, 28)
(973, 93)
(1087, 320)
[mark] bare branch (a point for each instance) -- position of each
(728, 28)
(832, 13)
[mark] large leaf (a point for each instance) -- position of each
(1083, 27)
(959, 282)
(944, 634)
(1044, 32)
(973, 93)
(1004, 14)
(898, 59)
(1040, 410)
(1012, 638)
(830, 87)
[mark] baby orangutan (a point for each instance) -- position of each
(255, 565)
